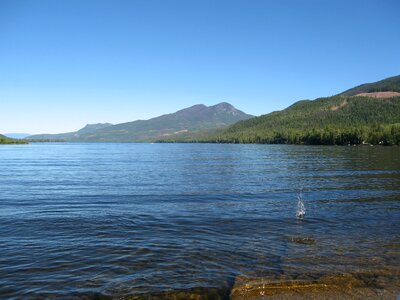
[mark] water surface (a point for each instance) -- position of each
(124, 219)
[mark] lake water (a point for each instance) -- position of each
(91, 220)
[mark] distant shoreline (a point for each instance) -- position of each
(196, 142)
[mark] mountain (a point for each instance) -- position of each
(391, 84)
(89, 128)
(6, 140)
(355, 116)
(189, 121)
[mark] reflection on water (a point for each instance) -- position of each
(162, 219)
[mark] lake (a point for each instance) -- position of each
(113, 220)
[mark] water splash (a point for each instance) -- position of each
(301, 210)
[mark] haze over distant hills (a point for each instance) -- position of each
(192, 120)
(69, 136)
(17, 135)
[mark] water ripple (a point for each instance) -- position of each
(112, 220)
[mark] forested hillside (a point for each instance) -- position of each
(329, 121)
(6, 140)
(389, 84)
(338, 120)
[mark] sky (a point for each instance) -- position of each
(64, 64)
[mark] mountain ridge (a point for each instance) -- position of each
(354, 116)
(391, 84)
(88, 128)
(368, 113)
(192, 119)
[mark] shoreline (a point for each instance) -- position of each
(378, 284)
(382, 284)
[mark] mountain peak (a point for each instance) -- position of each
(226, 108)
(223, 104)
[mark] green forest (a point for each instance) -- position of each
(6, 140)
(343, 119)
(330, 121)
(337, 120)
(389, 84)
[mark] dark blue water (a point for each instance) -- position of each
(115, 220)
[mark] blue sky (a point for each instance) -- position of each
(67, 63)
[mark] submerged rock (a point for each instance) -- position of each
(189, 294)
(335, 286)
(307, 240)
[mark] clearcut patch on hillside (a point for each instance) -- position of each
(387, 94)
